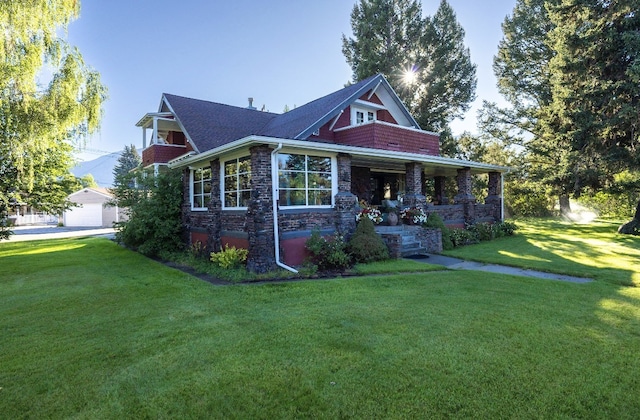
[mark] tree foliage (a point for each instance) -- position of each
(570, 71)
(41, 120)
(153, 224)
(424, 59)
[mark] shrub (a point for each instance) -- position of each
(435, 221)
(461, 237)
(329, 253)
(506, 228)
(482, 231)
(154, 226)
(528, 199)
(366, 245)
(230, 257)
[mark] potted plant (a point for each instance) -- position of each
(413, 216)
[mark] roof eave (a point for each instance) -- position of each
(245, 142)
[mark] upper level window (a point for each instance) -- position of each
(360, 116)
(304, 180)
(200, 188)
(237, 182)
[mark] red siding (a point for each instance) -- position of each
(237, 242)
(294, 251)
(382, 136)
(162, 153)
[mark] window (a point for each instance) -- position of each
(200, 188)
(304, 180)
(360, 116)
(237, 182)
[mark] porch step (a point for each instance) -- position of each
(412, 252)
(410, 246)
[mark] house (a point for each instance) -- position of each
(264, 181)
(92, 209)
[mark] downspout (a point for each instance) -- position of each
(502, 196)
(274, 190)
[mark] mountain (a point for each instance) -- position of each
(101, 169)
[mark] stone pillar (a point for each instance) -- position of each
(345, 201)
(215, 208)
(414, 196)
(260, 213)
(494, 196)
(440, 190)
(464, 196)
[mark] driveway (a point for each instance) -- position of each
(32, 233)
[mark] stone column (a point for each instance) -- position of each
(464, 196)
(440, 190)
(260, 213)
(345, 201)
(215, 208)
(414, 196)
(494, 196)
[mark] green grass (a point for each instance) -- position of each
(91, 330)
(593, 250)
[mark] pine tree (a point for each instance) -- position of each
(125, 178)
(425, 60)
(595, 75)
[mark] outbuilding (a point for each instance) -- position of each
(92, 209)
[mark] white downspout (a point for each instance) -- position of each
(274, 190)
(502, 196)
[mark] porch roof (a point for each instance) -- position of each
(375, 159)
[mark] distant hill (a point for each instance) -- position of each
(101, 169)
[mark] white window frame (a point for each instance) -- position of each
(192, 194)
(334, 179)
(368, 115)
(223, 181)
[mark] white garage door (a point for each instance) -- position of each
(87, 215)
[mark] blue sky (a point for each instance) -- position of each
(280, 52)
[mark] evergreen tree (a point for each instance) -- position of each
(125, 178)
(39, 125)
(425, 60)
(595, 87)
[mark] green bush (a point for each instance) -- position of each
(461, 237)
(435, 221)
(230, 257)
(482, 231)
(328, 254)
(366, 245)
(528, 199)
(154, 225)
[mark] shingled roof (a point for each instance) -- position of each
(210, 125)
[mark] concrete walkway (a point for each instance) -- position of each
(458, 264)
(33, 233)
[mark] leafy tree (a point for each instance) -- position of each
(425, 60)
(39, 124)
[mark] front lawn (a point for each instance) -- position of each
(92, 330)
(593, 250)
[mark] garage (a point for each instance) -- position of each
(92, 210)
(87, 215)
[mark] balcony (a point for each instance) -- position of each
(162, 153)
(386, 136)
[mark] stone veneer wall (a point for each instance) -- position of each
(260, 213)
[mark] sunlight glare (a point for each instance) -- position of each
(409, 76)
